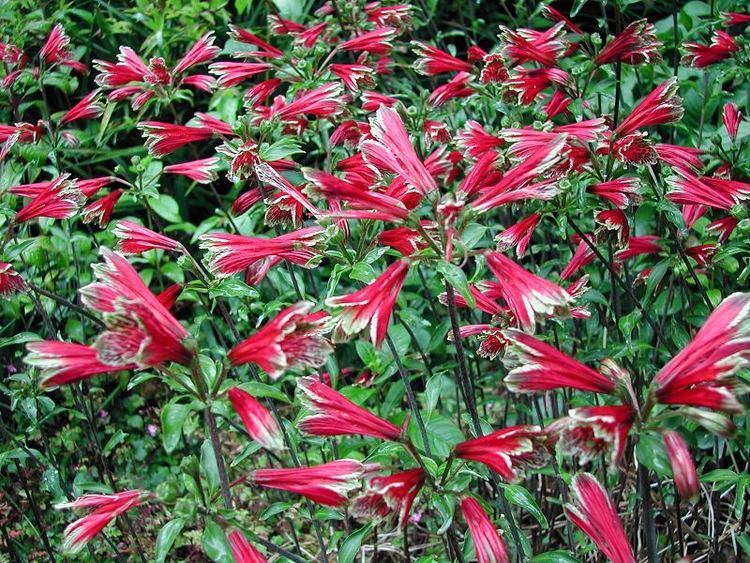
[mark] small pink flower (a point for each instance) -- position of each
(537, 366)
(260, 424)
(683, 467)
(327, 484)
(152, 430)
(135, 239)
(293, 339)
(371, 305)
(732, 118)
(596, 515)
(488, 543)
(332, 414)
(508, 452)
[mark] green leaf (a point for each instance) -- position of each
(456, 277)
(350, 546)
(291, 9)
(436, 385)
(577, 7)
(557, 556)
(166, 207)
(209, 466)
(519, 496)
(720, 476)
(215, 543)
(165, 540)
(651, 452)
(258, 389)
(116, 439)
(173, 416)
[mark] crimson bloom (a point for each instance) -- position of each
(636, 44)
(327, 484)
(537, 366)
(596, 515)
(332, 414)
(229, 254)
(702, 374)
(590, 431)
(136, 239)
(140, 329)
(106, 508)
(375, 42)
(456, 87)
(202, 171)
(100, 211)
(683, 467)
(518, 235)
(55, 50)
(390, 150)
(732, 118)
(722, 46)
(620, 192)
(90, 106)
(164, 138)
(10, 280)
(488, 544)
(718, 193)
(475, 140)
(66, 362)
(508, 452)
(202, 51)
(432, 61)
(684, 159)
(526, 294)
(661, 106)
(524, 45)
(242, 550)
(60, 200)
(372, 305)
(231, 73)
(259, 423)
(393, 493)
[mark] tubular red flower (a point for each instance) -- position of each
(90, 106)
(332, 414)
(375, 42)
(106, 508)
(260, 424)
(526, 294)
(735, 18)
(582, 256)
(135, 239)
(612, 225)
(722, 46)
(488, 544)
(403, 239)
(391, 150)
(202, 171)
(493, 69)
(327, 484)
(394, 493)
(661, 106)
(635, 148)
(595, 514)
(61, 200)
(636, 44)
(202, 51)
(242, 550)
(684, 159)
(229, 254)
(10, 281)
(324, 101)
(508, 452)
(432, 61)
(687, 189)
(638, 246)
(293, 339)
(683, 467)
(555, 15)
(524, 45)
(100, 211)
(371, 305)
(65, 362)
(529, 83)
(723, 227)
(169, 296)
(164, 138)
(703, 373)
(518, 235)
(731, 117)
(537, 366)
(475, 141)
(592, 431)
(456, 87)
(231, 73)
(354, 76)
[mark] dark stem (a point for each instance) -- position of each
(226, 494)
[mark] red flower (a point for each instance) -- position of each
(390, 150)
(164, 138)
(10, 280)
(66, 362)
(231, 73)
(371, 305)
(202, 51)
(732, 118)
(508, 452)
(494, 69)
(229, 254)
(61, 200)
(475, 140)
(620, 192)
(202, 171)
(90, 106)
(242, 550)
(638, 246)
(703, 373)
(135, 239)
(259, 423)
(612, 225)
(55, 50)
(526, 294)
(106, 508)
(332, 414)
(375, 42)
(324, 101)
(687, 189)
(293, 339)
(488, 544)
(723, 227)
(529, 83)
(258, 93)
(524, 45)
(684, 159)
(354, 76)
(591, 431)
(735, 18)
(635, 149)
(456, 87)
(140, 329)
(661, 106)
(635, 45)
(327, 484)
(722, 46)
(582, 256)
(394, 493)
(264, 50)
(555, 15)
(371, 101)
(169, 296)
(683, 467)
(403, 239)
(100, 211)
(595, 514)
(537, 366)
(432, 61)
(557, 104)
(518, 235)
